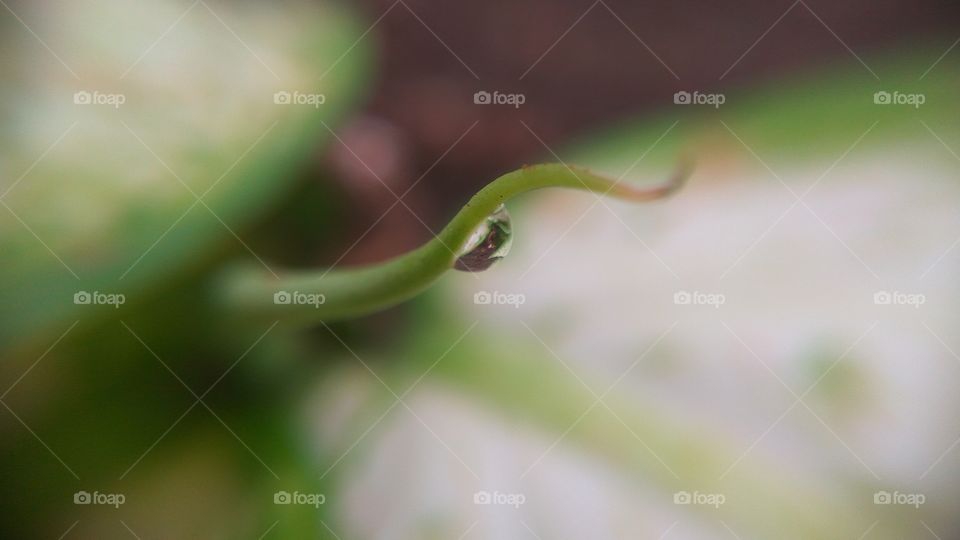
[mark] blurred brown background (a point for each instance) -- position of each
(615, 58)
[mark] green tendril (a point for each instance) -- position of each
(309, 297)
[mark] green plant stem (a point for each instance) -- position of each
(248, 291)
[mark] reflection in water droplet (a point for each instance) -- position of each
(488, 244)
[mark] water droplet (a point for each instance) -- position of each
(489, 243)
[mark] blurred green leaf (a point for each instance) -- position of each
(116, 194)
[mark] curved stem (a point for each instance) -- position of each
(329, 295)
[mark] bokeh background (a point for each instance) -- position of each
(770, 353)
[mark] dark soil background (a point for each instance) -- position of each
(434, 54)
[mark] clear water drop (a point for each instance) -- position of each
(489, 243)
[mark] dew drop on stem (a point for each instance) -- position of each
(489, 243)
